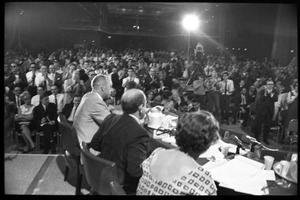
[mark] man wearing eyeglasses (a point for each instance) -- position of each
(264, 106)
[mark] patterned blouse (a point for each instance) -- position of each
(196, 182)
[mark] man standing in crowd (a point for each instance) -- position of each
(151, 81)
(123, 140)
(131, 78)
(264, 107)
(92, 109)
(55, 77)
(45, 119)
(226, 89)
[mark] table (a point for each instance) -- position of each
(278, 155)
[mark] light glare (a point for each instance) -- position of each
(190, 22)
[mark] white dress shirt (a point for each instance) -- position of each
(35, 100)
(60, 101)
(29, 77)
(72, 115)
(230, 87)
(39, 79)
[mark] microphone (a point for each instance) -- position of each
(249, 140)
(237, 141)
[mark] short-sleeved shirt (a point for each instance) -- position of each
(196, 182)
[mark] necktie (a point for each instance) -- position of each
(243, 99)
(55, 99)
(74, 112)
(225, 88)
(33, 78)
(18, 101)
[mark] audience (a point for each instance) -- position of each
(29, 72)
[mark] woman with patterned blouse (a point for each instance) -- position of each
(175, 171)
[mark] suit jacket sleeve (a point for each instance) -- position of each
(99, 111)
(138, 151)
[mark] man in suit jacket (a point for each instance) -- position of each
(123, 140)
(264, 107)
(16, 78)
(92, 109)
(45, 119)
(16, 98)
(87, 84)
(117, 83)
(69, 109)
(151, 81)
(55, 78)
(242, 103)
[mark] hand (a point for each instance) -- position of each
(43, 120)
(52, 122)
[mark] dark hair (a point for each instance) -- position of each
(183, 103)
(166, 94)
(195, 100)
(195, 132)
(131, 100)
(43, 95)
(131, 85)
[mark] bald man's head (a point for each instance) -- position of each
(102, 85)
(131, 100)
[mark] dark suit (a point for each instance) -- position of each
(148, 83)
(117, 84)
(12, 98)
(264, 108)
(125, 142)
(58, 80)
(38, 113)
(67, 109)
(88, 86)
(10, 81)
(245, 105)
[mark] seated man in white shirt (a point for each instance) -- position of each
(35, 100)
(56, 98)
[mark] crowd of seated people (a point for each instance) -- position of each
(68, 73)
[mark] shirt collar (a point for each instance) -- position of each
(133, 116)
(99, 96)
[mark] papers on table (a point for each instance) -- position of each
(214, 150)
(241, 174)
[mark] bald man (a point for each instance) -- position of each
(92, 109)
(123, 140)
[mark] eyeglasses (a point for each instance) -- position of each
(270, 84)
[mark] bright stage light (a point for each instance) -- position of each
(191, 22)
